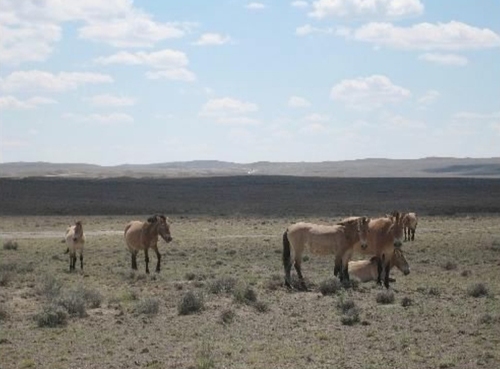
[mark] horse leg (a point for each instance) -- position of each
(134, 260)
(299, 273)
(146, 259)
(81, 261)
(413, 234)
(379, 271)
(158, 258)
(404, 231)
(288, 277)
(387, 271)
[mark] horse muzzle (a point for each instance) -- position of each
(398, 243)
(406, 272)
(167, 239)
(75, 239)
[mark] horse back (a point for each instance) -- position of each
(320, 239)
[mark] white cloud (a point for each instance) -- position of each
(27, 42)
(299, 4)
(298, 102)
(162, 59)
(445, 59)
(369, 92)
(314, 128)
(11, 102)
(210, 39)
(104, 119)
(107, 100)
(429, 97)
(371, 8)
(228, 110)
(394, 121)
(40, 80)
(175, 74)
(255, 6)
(132, 31)
(307, 29)
(30, 28)
(426, 36)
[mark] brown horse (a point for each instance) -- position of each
(367, 270)
(144, 235)
(323, 240)
(384, 236)
(410, 222)
(75, 239)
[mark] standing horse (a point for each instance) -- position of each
(410, 222)
(75, 239)
(322, 240)
(384, 236)
(367, 270)
(144, 235)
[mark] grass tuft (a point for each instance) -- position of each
(49, 287)
(4, 315)
(222, 285)
(51, 316)
(147, 306)
(330, 286)
(385, 297)
(449, 265)
(10, 245)
(190, 303)
(73, 301)
(406, 301)
(350, 317)
(244, 295)
(478, 290)
(261, 306)
(227, 316)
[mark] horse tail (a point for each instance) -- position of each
(286, 250)
(67, 250)
(127, 228)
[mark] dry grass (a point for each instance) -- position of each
(220, 300)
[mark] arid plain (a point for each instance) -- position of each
(219, 300)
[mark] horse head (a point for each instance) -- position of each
(363, 230)
(400, 262)
(397, 229)
(78, 231)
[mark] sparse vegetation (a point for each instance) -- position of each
(227, 316)
(385, 297)
(3, 313)
(330, 286)
(73, 301)
(478, 290)
(406, 301)
(10, 245)
(147, 306)
(190, 303)
(51, 316)
(222, 285)
(244, 295)
(450, 265)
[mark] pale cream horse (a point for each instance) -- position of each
(410, 222)
(384, 236)
(322, 240)
(144, 235)
(367, 270)
(75, 239)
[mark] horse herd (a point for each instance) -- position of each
(381, 238)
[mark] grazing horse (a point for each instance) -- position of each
(410, 222)
(144, 235)
(322, 240)
(384, 236)
(367, 270)
(75, 239)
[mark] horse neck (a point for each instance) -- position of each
(152, 229)
(351, 233)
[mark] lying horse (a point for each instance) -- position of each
(144, 235)
(323, 240)
(384, 236)
(367, 270)
(75, 239)
(410, 222)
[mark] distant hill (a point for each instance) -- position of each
(427, 167)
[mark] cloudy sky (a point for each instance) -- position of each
(146, 81)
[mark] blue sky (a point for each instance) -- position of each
(146, 81)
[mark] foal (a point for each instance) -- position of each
(75, 239)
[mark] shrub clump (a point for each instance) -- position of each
(406, 301)
(147, 306)
(74, 303)
(5, 277)
(222, 285)
(449, 265)
(385, 297)
(3, 313)
(93, 298)
(330, 286)
(49, 287)
(245, 295)
(350, 317)
(227, 316)
(51, 316)
(261, 306)
(190, 303)
(10, 245)
(478, 290)
(274, 282)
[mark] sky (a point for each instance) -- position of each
(146, 81)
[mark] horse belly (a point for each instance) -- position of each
(133, 236)
(322, 244)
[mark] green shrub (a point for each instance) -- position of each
(244, 295)
(222, 285)
(385, 297)
(73, 301)
(330, 286)
(147, 306)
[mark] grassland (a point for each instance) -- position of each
(231, 263)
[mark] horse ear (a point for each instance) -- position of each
(152, 219)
